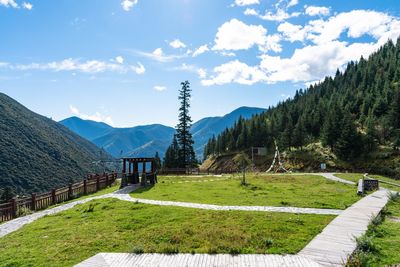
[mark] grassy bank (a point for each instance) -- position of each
(262, 190)
(355, 177)
(111, 225)
(380, 246)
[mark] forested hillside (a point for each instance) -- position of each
(38, 154)
(354, 114)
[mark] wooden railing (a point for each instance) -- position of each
(17, 207)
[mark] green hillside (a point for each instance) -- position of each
(355, 115)
(38, 154)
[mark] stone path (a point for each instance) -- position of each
(127, 197)
(331, 176)
(338, 240)
(198, 260)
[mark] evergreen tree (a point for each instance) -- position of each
(7, 195)
(157, 160)
(171, 158)
(187, 157)
(348, 142)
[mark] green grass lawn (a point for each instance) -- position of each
(355, 177)
(110, 225)
(381, 244)
(309, 191)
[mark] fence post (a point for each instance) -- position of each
(70, 191)
(85, 187)
(53, 196)
(97, 183)
(33, 201)
(14, 207)
(107, 181)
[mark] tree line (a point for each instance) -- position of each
(351, 113)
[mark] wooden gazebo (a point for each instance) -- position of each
(139, 170)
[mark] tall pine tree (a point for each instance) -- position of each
(182, 146)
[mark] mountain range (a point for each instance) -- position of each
(38, 154)
(146, 140)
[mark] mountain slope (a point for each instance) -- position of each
(355, 114)
(38, 154)
(88, 129)
(129, 140)
(146, 140)
(205, 128)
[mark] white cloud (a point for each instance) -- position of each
(292, 3)
(250, 12)
(317, 11)
(127, 5)
(324, 50)
(177, 44)
(246, 2)
(202, 73)
(202, 49)
(235, 72)
(76, 65)
(119, 59)
(293, 32)
(158, 55)
(26, 5)
(160, 88)
(140, 69)
(313, 62)
(9, 3)
(95, 117)
(279, 15)
(236, 35)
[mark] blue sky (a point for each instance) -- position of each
(122, 61)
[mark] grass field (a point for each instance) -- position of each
(381, 244)
(354, 177)
(111, 225)
(264, 190)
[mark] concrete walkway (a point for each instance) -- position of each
(331, 176)
(127, 197)
(195, 260)
(337, 241)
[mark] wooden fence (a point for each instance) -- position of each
(18, 207)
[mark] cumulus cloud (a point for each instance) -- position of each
(317, 10)
(292, 3)
(235, 72)
(236, 35)
(246, 2)
(139, 69)
(127, 5)
(202, 49)
(119, 59)
(323, 52)
(159, 88)
(159, 55)
(26, 5)
(97, 116)
(279, 15)
(177, 44)
(9, 3)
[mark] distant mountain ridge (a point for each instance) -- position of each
(38, 154)
(146, 140)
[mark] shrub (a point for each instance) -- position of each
(137, 250)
